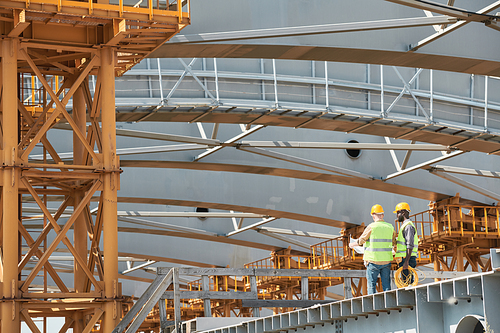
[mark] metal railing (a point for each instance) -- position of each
(464, 220)
(32, 91)
(277, 88)
(153, 9)
(333, 253)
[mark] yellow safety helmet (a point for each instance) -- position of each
(377, 209)
(401, 206)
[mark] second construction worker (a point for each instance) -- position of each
(378, 239)
(407, 241)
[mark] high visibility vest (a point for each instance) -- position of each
(379, 246)
(401, 243)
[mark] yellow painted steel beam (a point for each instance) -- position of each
(10, 291)
(110, 189)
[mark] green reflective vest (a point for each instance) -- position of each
(379, 246)
(401, 243)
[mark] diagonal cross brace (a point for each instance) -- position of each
(188, 69)
(177, 84)
(386, 112)
(453, 27)
(60, 105)
(232, 140)
(145, 303)
(407, 87)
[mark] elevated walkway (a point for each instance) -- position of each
(388, 101)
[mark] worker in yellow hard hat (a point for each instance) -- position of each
(407, 241)
(378, 238)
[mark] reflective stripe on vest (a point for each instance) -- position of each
(401, 244)
(379, 246)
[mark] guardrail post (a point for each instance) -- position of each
(431, 101)
(304, 286)
(382, 113)
(486, 103)
(205, 286)
(177, 301)
(275, 83)
(327, 102)
(162, 307)
(253, 288)
(495, 258)
(347, 288)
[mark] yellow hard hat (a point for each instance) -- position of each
(401, 206)
(377, 209)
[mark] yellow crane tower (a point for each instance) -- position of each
(49, 49)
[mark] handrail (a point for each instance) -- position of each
(119, 6)
(459, 220)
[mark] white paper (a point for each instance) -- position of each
(357, 248)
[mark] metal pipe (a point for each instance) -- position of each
(159, 80)
(431, 101)
(216, 80)
(275, 83)
(382, 113)
(486, 103)
(327, 102)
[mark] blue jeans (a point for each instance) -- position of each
(372, 272)
(412, 263)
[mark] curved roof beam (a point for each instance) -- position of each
(311, 30)
(374, 184)
(338, 54)
(240, 208)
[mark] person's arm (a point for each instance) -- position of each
(394, 242)
(363, 238)
(365, 235)
(408, 234)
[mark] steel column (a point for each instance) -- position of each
(79, 228)
(109, 191)
(10, 190)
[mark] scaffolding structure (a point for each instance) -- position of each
(453, 236)
(49, 49)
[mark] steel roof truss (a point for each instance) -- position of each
(252, 226)
(453, 27)
(466, 184)
(237, 225)
(407, 157)
(285, 239)
(341, 145)
(183, 75)
(188, 69)
(435, 26)
(406, 86)
(435, 7)
(312, 29)
(424, 164)
(302, 161)
(297, 233)
(393, 155)
(467, 171)
(156, 136)
(131, 269)
(230, 141)
(231, 214)
(166, 226)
